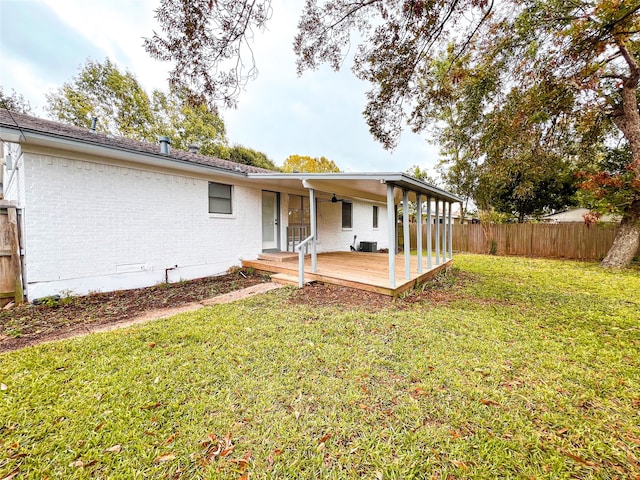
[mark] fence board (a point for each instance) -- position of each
(564, 240)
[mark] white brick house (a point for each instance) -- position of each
(101, 213)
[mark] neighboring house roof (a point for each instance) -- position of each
(21, 128)
(574, 215)
(29, 126)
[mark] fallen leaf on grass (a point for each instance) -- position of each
(98, 427)
(114, 449)
(77, 463)
(243, 463)
(461, 465)
(165, 457)
(325, 438)
(152, 344)
(3, 386)
(12, 474)
(562, 431)
(489, 402)
(581, 460)
(152, 406)
(170, 439)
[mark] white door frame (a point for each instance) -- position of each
(270, 238)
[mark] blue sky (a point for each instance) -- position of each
(43, 43)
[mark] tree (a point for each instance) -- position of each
(124, 108)
(100, 90)
(14, 102)
(249, 156)
(589, 48)
(301, 163)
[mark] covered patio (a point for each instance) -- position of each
(389, 273)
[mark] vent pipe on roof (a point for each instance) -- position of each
(94, 123)
(194, 147)
(164, 145)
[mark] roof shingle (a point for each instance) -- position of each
(31, 124)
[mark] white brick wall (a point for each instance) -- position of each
(331, 235)
(92, 226)
(13, 180)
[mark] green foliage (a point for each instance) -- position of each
(421, 174)
(249, 156)
(14, 102)
(303, 163)
(123, 108)
(100, 90)
(527, 369)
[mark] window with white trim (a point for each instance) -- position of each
(220, 198)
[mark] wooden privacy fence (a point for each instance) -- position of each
(563, 240)
(11, 288)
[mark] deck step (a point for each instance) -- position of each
(278, 256)
(284, 279)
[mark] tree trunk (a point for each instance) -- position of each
(625, 245)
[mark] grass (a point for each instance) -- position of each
(530, 370)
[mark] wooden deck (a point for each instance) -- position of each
(364, 271)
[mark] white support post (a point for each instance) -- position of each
(312, 219)
(437, 232)
(451, 231)
(405, 234)
(444, 231)
(391, 227)
(419, 230)
(429, 242)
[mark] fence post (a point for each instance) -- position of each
(16, 264)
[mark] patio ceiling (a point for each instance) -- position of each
(368, 186)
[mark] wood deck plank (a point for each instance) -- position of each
(361, 270)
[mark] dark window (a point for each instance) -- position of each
(347, 215)
(219, 198)
(375, 216)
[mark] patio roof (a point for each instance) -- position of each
(368, 186)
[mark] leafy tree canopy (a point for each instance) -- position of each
(302, 163)
(249, 156)
(124, 108)
(14, 102)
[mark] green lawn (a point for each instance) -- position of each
(531, 369)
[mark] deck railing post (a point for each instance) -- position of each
(391, 227)
(437, 231)
(419, 230)
(429, 242)
(405, 234)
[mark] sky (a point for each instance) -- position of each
(43, 43)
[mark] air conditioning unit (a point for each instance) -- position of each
(368, 246)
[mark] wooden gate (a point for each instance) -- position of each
(11, 289)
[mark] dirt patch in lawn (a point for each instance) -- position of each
(28, 324)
